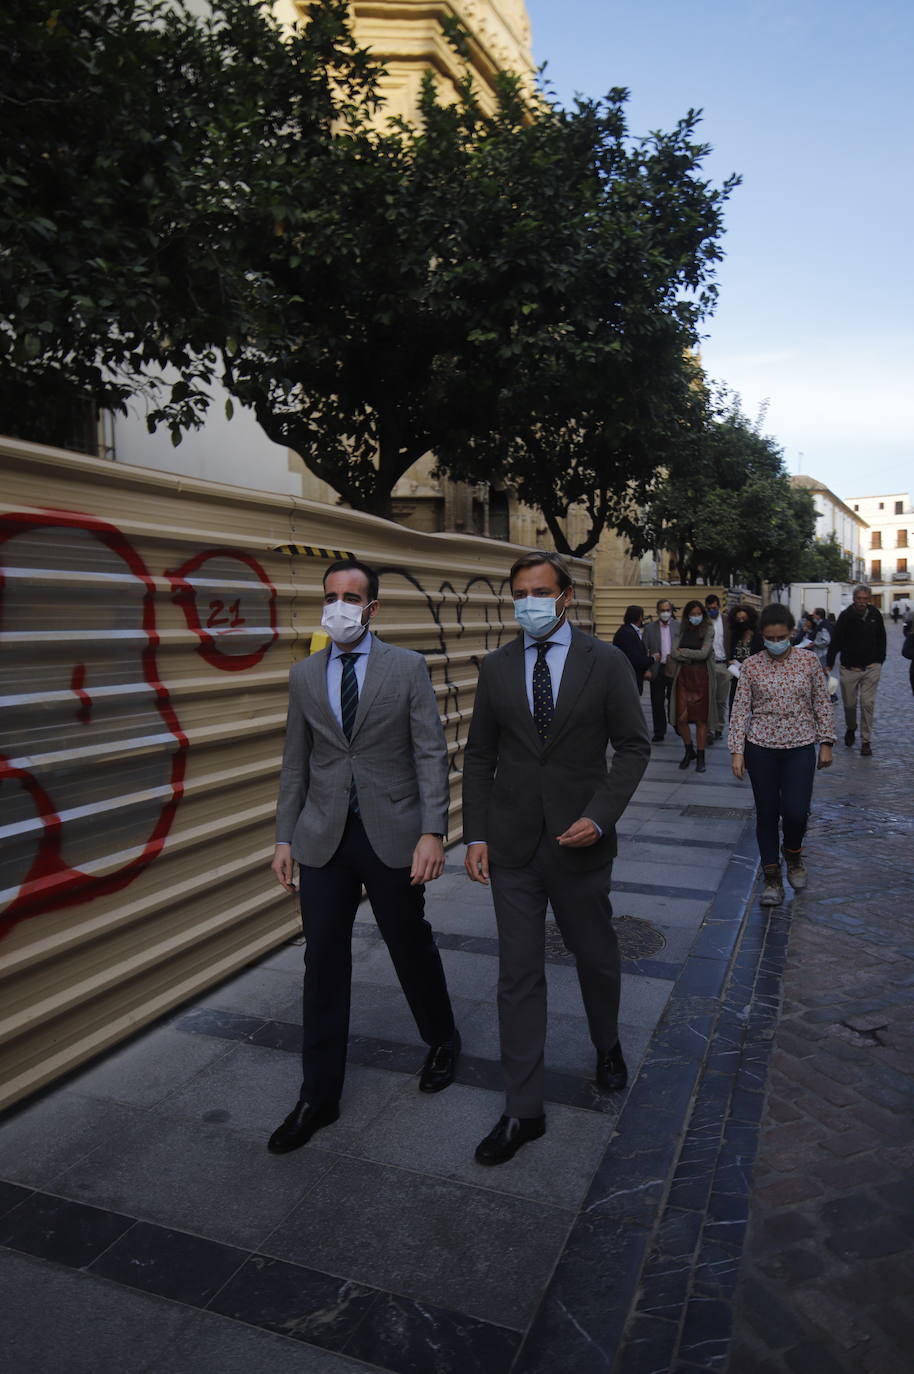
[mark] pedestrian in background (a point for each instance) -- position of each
(722, 677)
(744, 640)
(907, 651)
(691, 665)
(780, 713)
(630, 639)
(859, 637)
(659, 635)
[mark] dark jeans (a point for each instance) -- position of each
(661, 686)
(782, 782)
(329, 900)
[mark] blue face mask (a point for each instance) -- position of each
(713, 612)
(537, 614)
(777, 647)
(695, 619)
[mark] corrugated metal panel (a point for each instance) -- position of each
(609, 603)
(148, 624)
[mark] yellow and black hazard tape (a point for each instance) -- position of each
(312, 551)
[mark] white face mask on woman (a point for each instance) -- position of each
(695, 619)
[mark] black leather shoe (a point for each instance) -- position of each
(440, 1065)
(700, 765)
(866, 749)
(849, 737)
(301, 1124)
(656, 739)
(509, 1135)
(612, 1073)
(687, 757)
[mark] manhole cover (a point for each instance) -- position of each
(716, 813)
(637, 940)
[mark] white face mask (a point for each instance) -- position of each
(695, 619)
(665, 616)
(343, 622)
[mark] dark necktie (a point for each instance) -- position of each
(543, 706)
(349, 704)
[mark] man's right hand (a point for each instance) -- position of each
(476, 862)
(282, 866)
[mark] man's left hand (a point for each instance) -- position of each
(428, 860)
(580, 835)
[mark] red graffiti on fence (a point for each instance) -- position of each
(229, 639)
(88, 708)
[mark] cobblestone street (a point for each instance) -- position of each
(828, 1273)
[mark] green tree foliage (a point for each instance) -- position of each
(215, 199)
(723, 503)
(141, 150)
(823, 561)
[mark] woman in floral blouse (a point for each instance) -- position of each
(781, 711)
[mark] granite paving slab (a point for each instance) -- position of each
(470, 1249)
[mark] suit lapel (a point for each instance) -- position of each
(577, 670)
(515, 689)
(318, 684)
(374, 676)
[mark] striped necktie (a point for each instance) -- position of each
(349, 704)
(543, 705)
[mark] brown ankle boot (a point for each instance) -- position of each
(796, 868)
(773, 891)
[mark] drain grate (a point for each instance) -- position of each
(638, 939)
(717, 813)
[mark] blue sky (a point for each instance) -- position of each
(811, 103)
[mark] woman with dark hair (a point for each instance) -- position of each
(743, 640)
(780, 713)
(691, 666)
(630, 640)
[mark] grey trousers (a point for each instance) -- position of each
(581, 906)
(722, 680)
(860, 682)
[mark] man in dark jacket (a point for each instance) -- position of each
(859, 637)
(630, 639)
(540, 806)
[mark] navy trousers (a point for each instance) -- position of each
(329, 901)
(782, 782)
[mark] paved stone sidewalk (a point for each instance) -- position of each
(139, 1206)
(827, 1281)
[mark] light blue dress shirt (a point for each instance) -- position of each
(335, 671)
(560, 640)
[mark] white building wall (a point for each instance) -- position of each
(889, 544)
(235, 451)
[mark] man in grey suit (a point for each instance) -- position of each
(363, 801)
(540, 807)
(659, 638)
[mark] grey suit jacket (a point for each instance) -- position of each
(397, 756)
(514, 785)
(652, 640)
